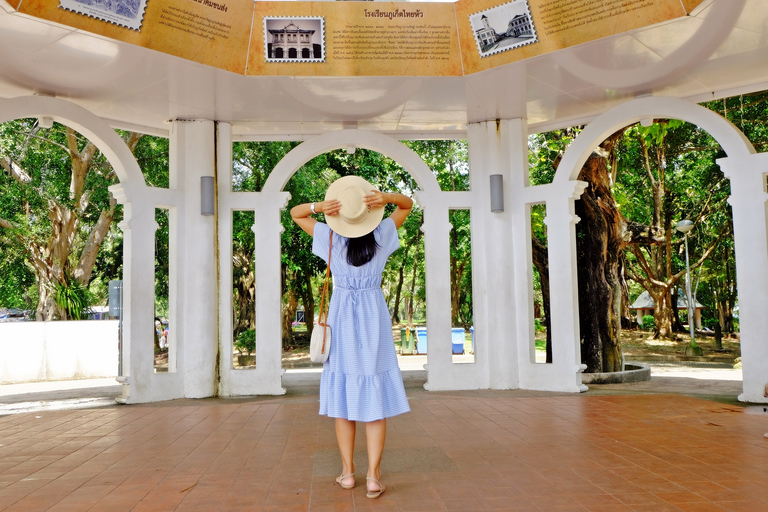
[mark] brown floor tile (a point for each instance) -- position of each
(639, 499)
(660, 507)
(511, 503)
(557, 453)
(680, 497)
(744, 506)
(701, 507)
(595, 500)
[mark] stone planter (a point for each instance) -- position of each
(631, 373)
(244, 360)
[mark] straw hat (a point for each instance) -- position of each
(355, 219)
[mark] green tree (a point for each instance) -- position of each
(448, 160)
(625, 211)
(59, 210)
(676, 160)
(252, 164)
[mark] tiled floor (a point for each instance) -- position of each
(452, 452)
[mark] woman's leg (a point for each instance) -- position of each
(375, 433)
(345, 435)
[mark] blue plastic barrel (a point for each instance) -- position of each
(457, 339)
(421, 340)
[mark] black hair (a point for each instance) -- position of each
(361, 250)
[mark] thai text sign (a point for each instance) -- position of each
(356, 38)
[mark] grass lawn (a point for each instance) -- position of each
(633, 343)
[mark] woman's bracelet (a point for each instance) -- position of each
(312, 207)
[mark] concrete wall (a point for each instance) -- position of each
(37, 351)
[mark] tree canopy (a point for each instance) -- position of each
(57, 217)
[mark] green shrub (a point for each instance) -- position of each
(246, 342)
(648, 323)
(73, 299)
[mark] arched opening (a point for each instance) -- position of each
(84, 139)
(305, 53)
(560, 196)
(292, 53)
(402, 279)
(267, 205)
(278, 53)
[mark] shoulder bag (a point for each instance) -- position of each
(320, 344)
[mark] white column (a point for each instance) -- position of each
(496, 148)
(564, 295)
(191, 157)
(225, 209)
(564, 373)
(138, 228)
(750, 232)
(436, 229)
(266, 379)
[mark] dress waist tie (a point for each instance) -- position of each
(354, 293)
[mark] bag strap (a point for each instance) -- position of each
(323, 308)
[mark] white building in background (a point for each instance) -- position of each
(644, 305)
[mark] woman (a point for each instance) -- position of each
(361, 380)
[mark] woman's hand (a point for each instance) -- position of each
(377, 199)
(330, 207)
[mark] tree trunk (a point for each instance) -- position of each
(46, 305)
(156, 335)
(598, 244)
(626, 316)
(457, 273)
(661, 312)
(725, 316)
(308, 299)
(245, 308)
(455, 279)
(398, 291)
(91, 250)
(677, 325)
(413, 280)
(289, 312)
(725, 307)
(541, 261)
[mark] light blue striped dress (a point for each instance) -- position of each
(361, 380)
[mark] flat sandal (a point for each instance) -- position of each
(340, 479)
(374, 494)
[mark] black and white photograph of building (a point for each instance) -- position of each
(129, 8)
(126, 13)
(294, 39)
(503, 27)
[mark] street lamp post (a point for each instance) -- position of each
(685, 226)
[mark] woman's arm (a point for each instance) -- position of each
(404, 204)
(301, 213)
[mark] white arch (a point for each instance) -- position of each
(138, 232)
(731, 139)
(383, 144)
(746, 171)
(87, 124)
(436, 228)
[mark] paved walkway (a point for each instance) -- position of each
(614, 448)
